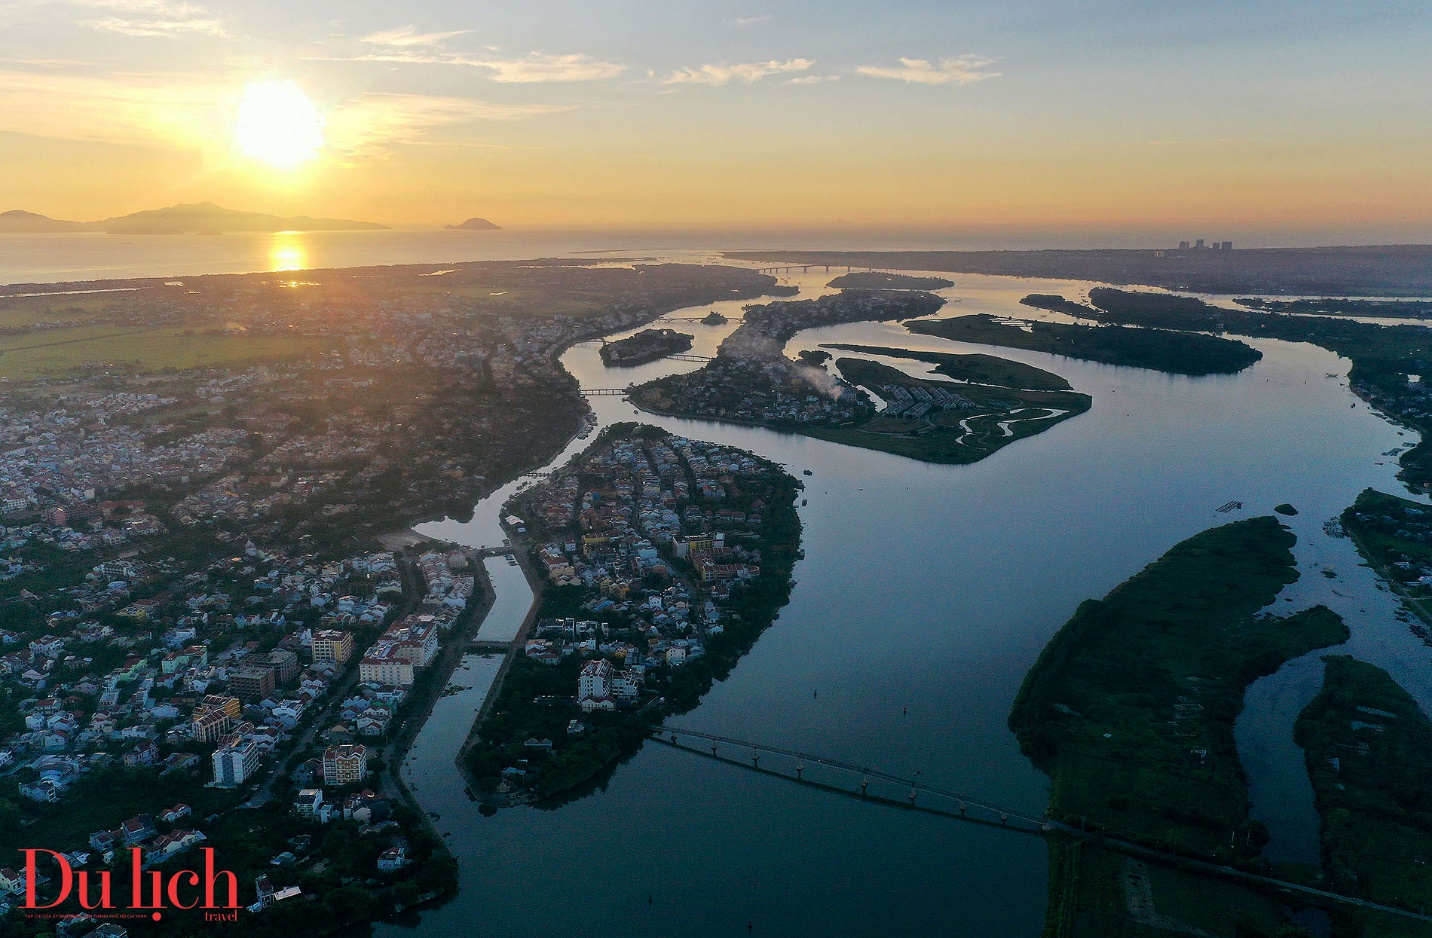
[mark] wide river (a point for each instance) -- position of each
(925, 595)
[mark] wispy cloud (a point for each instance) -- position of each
(534, 68)
(374, 121)
(725, 74)
(743, 21)
(405, 36)
(169, 18)
(813, 79)
(960, 70)
(196, 111)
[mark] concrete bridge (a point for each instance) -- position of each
(605, 392)
(897, 791)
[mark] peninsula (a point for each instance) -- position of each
(662, 559)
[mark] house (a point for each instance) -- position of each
(11, 881)
(394, 859)
(137, 829)
(309, 802)
(146, 753)
(170, 815)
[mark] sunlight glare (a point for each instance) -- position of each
(278, 124)
(286, 251)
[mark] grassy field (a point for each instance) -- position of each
(100, 347)
(974, 367)
(1369, 753)
(1173, 352)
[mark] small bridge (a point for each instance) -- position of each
(690, 358)
(605, 392)
(494, 552)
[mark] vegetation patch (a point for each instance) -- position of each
(1369, 754)
(1158, 350)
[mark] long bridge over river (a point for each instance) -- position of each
(911, 794)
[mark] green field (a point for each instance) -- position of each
(1369, 753)
(99, 348)
(1160, 350)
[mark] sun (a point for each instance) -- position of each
(278, 125)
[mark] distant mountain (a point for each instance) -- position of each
(18, 222)
(208, 217)
(474, 224)
(200, 217)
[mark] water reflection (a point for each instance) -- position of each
(287, 251)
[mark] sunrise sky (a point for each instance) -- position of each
(1232, 119)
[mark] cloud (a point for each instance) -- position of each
(405, 36)
(126, 107)
(961, 70)
(743, 21)
(813, 79)
(196, 111)
(167, 18)
(724, 74)
(543, 68)
(375, 120)
(534, 68)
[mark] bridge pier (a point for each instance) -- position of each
(864, 783)
(799, 770)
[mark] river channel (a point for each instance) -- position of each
(925, 595)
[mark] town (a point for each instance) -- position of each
(205, 639)
(662, 559)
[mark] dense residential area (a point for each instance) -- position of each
(662, 559)
(208, 636)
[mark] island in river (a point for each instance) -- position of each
(871, 280)
(662, 560)
(1130, 709)
(1369, 754)
(1160, 350)
(649, 345)
(752, 381)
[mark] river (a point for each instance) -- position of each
(925, 595)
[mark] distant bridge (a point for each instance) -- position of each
(605, 392)
(690, 358)
(839, 778)
(804, 268)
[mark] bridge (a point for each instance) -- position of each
(690, 358)
(605, 392)
(912, 794)
(804, 268)
(494, 552)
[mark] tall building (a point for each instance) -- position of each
(1227, 245)
(233, 764)
(343, 765)
(1183, 245)
(252, 683)
(331, 645)
(594, 681)
(1198, 245)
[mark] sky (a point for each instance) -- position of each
(1298, 121)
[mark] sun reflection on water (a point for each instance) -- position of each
(287, 252)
